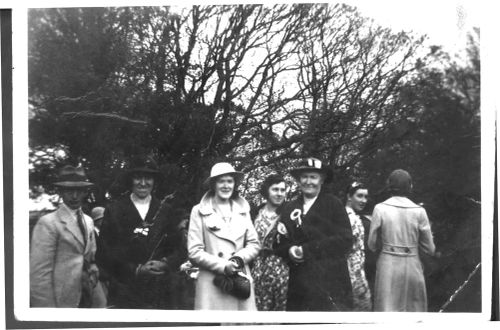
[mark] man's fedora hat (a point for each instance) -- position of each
(310, 164)
(72, 177)
(223, 169)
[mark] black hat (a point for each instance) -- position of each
(143, 164)
(72, 177)
(310, 164)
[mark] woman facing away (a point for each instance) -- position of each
(400, 230)
(270, 272)
(221, 240)
(357, 195)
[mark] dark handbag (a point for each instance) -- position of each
(237, 285)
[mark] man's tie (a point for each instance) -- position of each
(81, 224)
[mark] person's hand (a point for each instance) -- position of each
(93, 273)
(150, 268)
(296, 253)
(158, 265)
(231, 267)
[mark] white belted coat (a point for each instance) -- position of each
(400, 230)
(211, 242)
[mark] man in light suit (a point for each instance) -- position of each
(62, 268)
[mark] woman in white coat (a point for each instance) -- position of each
(400, 231)
(221, 238)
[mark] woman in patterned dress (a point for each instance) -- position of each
(357, 195)
(270, 272)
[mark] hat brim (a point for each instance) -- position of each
(238, 176)
(143, 170)
(155, 173)
(297, 171)
(74, 184)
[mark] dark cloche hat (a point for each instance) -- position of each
(143, 164)
(310, 164)
(399, 182)
(72, 177)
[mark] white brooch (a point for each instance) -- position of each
(282, 229)
(295, 216)
(142, 231)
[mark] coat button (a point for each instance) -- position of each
(221, 254)
(392, 249)
(407, 250)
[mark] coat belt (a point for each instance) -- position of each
(405, 251)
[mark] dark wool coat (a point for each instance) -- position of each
(121, 251)
(321, 282)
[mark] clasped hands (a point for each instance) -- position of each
(152, 268)
(234, 265)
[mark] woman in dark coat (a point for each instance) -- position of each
(140, 246)
(314, 237)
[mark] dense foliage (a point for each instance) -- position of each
(260, 87)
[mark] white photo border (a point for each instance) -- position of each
(23, 312)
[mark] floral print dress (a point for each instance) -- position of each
(362, 300)
(269, 272)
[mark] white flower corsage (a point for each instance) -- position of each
(282, 229)
(142, 231)
(296, 216)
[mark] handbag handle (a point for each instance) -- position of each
(243, 274)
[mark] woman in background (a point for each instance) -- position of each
(399, 230)
(357, 196)
(270, 272)
(221, 240)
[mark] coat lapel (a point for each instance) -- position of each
(153, 206)
(313, 209)
(70, 224)
(89, 224)
(132, 213)
(216, 225)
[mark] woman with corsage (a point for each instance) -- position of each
(357, 196)
(270, 272)
(222, 241)
(315, 244)
(140, 245)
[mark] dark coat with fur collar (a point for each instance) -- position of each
(321, 282)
